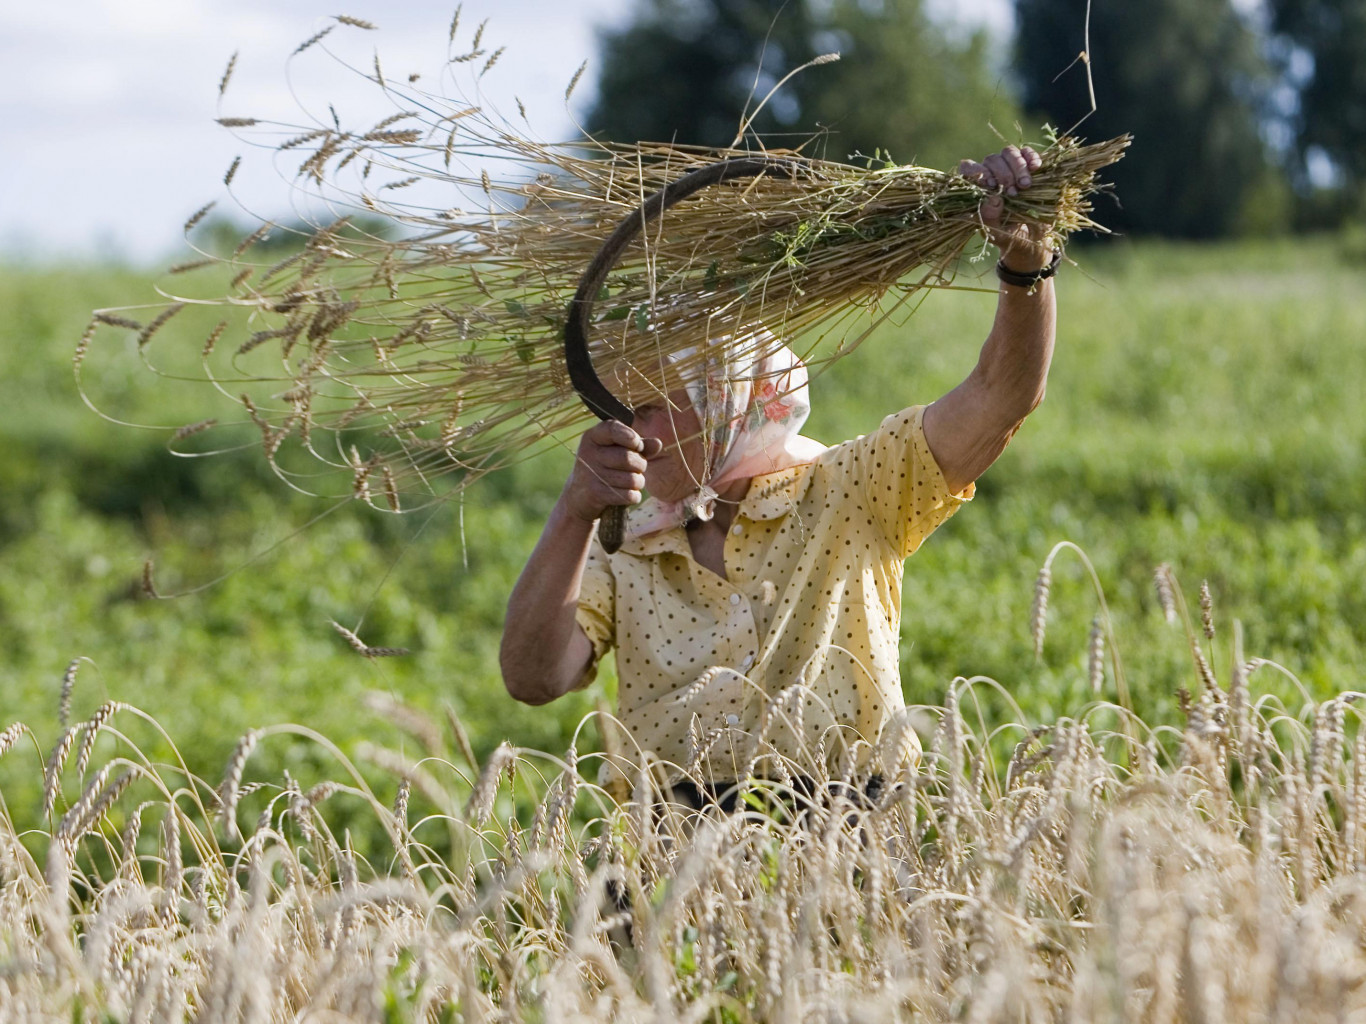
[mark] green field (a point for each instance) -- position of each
(1204, 410)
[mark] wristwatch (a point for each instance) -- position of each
(1028, 278)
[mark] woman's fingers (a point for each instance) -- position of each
(616, 474)
(610, 469)
(1019, 166)
(613, 432)
(598, 489)
(614, 486)
(1009, 170)
(615, 457)
(1005, 174)
(976, 172)
(623, 482)
(1003, 171)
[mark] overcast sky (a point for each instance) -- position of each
(109, 105)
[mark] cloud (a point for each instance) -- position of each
(109, 105)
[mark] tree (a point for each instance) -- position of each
(1186, 77)
(1331, 115)
(909, 86)
(685, 70)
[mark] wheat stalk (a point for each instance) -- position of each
(1071, 882)
(438, 355)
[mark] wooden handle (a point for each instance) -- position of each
(612, 528)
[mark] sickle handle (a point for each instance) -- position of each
(595, 394)
(612, 528)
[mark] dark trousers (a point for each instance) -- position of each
(725, 795)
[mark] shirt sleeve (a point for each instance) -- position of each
(596, 612)
(903, 483)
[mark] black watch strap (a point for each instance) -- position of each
(1028, 279)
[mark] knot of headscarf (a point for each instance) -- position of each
(751, 407)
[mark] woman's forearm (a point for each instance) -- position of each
(1013, 366)
(545, 652)
(969, 428)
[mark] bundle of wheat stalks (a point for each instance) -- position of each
(439, 354)
(1097, 868)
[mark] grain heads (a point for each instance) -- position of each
(485, 792)
(230, 788)
(1038, 616)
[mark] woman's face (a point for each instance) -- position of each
(677, 470)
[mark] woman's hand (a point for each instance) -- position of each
(1023, 246)
(609, 470)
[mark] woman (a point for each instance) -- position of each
(759, 587)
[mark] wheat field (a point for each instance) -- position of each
(1094, 868)
(1097, 865)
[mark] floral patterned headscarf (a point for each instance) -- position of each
(751, 409)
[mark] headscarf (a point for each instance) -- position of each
(751, 410)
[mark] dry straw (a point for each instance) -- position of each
(68, 684)
(437, 355)
(1191, 871)
(11, 735)
(365, 650)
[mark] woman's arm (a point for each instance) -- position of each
(969, 427)
(545, 652)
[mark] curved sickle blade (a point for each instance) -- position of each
(585, 379)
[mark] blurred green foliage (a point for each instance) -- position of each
(1321, 47)
(1204, 410)
(905, 84)
(1249, 119)
(1189, 81)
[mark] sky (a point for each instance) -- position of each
(109, 106)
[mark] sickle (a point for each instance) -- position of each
(595, 395)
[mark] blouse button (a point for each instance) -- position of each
(734, 598)
(737, 529)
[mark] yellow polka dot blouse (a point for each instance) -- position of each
(810, 613)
